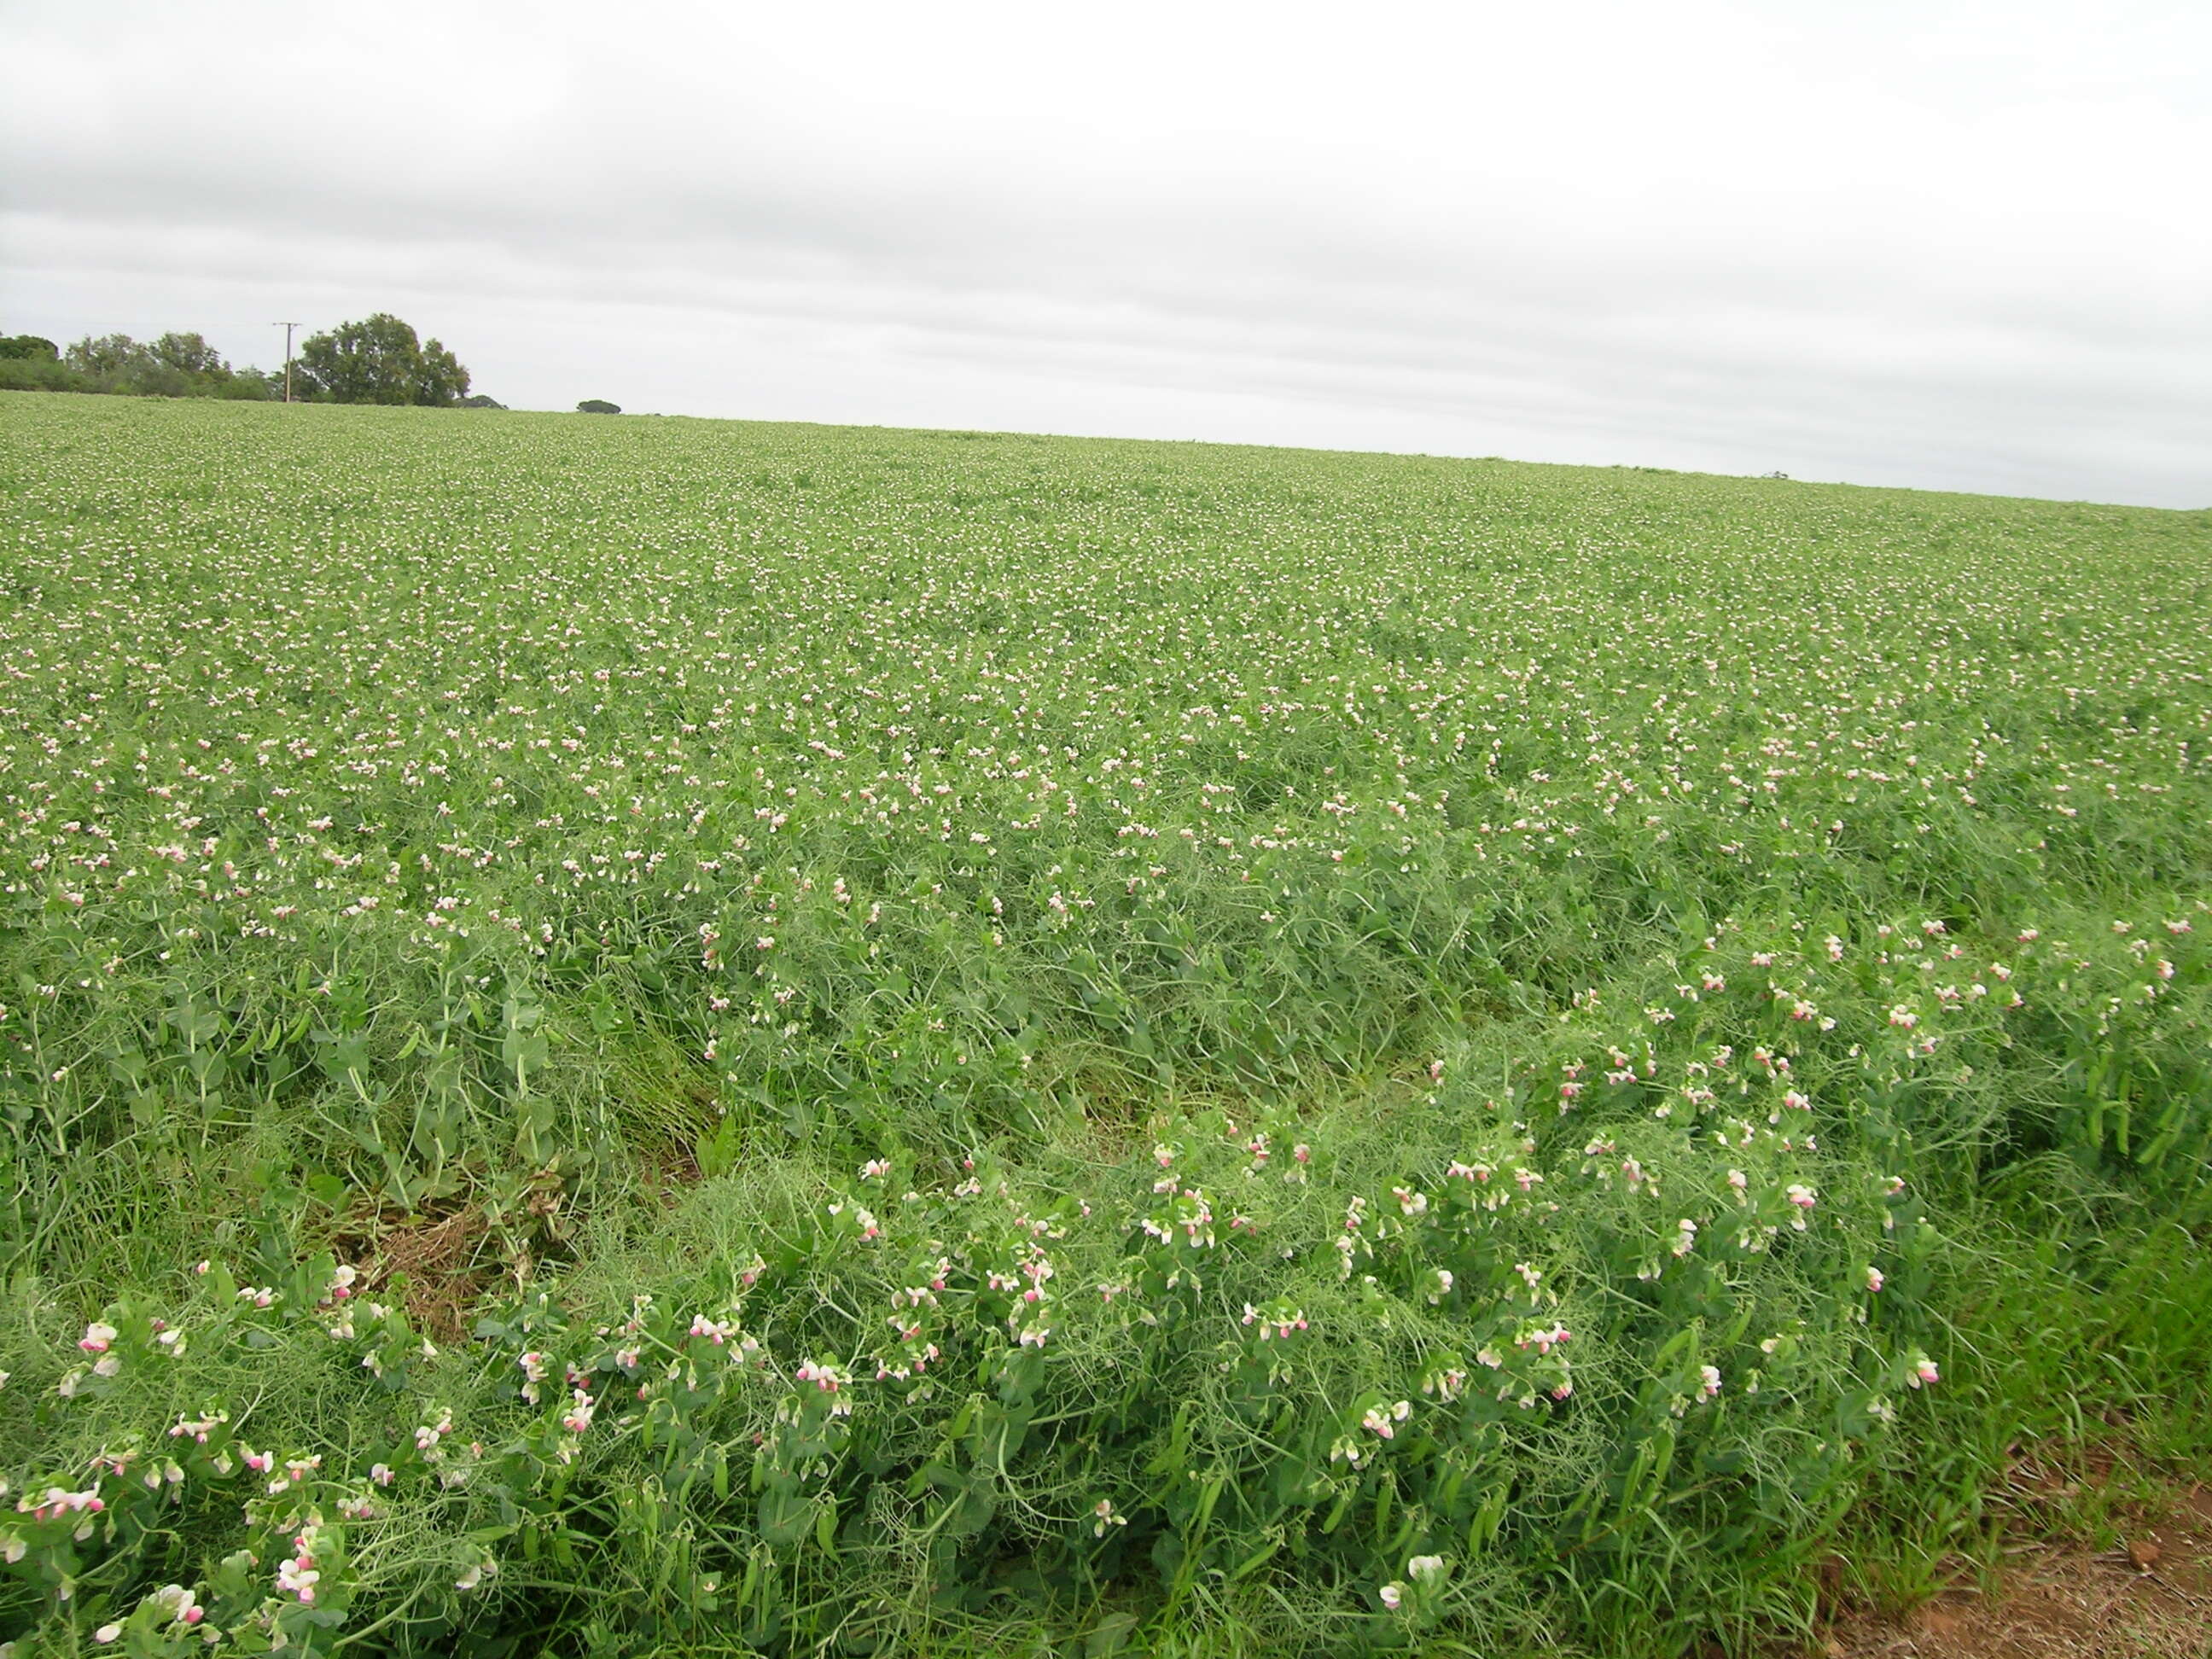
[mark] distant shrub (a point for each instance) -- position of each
(174, 366)
(40, 374)
(480, 400)
(598, 406)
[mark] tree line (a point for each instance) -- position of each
(377, 359)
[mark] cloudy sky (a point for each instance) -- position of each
(1957, 244)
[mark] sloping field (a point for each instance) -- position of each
(665, 1036)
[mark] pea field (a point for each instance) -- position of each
(661, 1037)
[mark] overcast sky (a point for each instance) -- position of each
(1960, 246)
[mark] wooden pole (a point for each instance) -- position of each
(288, 328)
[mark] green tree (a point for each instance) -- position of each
(443, 381)
(109, 357)
(177, 365)
(379, 359)
(598, 406)
(191, 353)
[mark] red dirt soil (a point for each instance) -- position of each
(2151, 1599)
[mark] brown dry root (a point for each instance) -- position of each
(441, 1261)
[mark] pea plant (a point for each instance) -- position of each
(672, 1037)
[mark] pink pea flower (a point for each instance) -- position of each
(298, 1577)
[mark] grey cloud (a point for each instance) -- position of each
(1949, 252)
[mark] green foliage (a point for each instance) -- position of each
(1012, 1041)
(598, 406)
(379, 359)
(188, 354)
(110, 356)
(376, 361)
(36, 374)
(174, 366)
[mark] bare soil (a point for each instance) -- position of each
(2151, 1598)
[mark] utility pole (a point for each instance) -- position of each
(288, 328)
